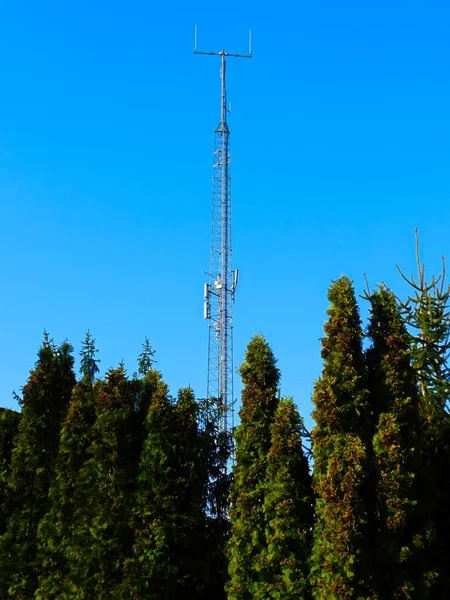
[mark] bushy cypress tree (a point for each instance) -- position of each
(46, 396)
(65, 496)
(342, 438)
(101, 537)
(401, 524)
(260, 377)
(9, 424)
(169, 522)
(288, 511)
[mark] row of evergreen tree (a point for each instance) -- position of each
(110, 488)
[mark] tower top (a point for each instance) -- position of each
(222, 52)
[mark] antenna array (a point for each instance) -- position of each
(219, 293)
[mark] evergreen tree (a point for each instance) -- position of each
(288, 511)
(340, 560)
(397, 453)
(427, 314)
(101, 537)
(65, 496)
(169, 523)
(146, 358)
(89, 364)
(218, 446)
(45, 400)
(9, 424)
(260, 377)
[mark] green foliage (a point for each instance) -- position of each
(341, 441)
(89, 364)
(9, 424)
(168, 521)
(401, 533)
(101, 537)
(45, 400)
(427, 314)
(146, 358)
(260, 377)
(288, 511)
(67, 497)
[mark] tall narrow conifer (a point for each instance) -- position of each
(401, 532)
(101, 537)
(342, 440)
(169, 522)
(46, 396)
(260, 377)
(66, 499)
(288, 511)
(9, 424)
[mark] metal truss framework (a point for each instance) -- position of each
(219, 293)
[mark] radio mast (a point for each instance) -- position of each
(219, 293)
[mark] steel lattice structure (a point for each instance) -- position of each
(219, 293)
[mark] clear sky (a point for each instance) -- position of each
(340, 148)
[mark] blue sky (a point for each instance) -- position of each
(340, 148)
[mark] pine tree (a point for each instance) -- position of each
(66, 500)
(9, 424)
(260, 377)
(397, 454)
(288, 511)
(45, 400)
(101, 537)
(341, 451)
(169, 522)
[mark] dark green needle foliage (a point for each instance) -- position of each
(169, 522)
(427, 314)
(401, 532)
(46, 397)
(89, 364)
(288, 511)
(341, 438)
(9, 424)
(146, 358)
(260, 377)
(67, 497)
(101, 538)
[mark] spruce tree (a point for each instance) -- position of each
(260, 377)
(340, 561)
(288, 511)
(427, 314)
(44, 405)
(66, 498)
(401, 528)
(169, 521)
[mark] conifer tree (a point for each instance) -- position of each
(101, 537)
(427, 314)
(45, 400)
(9, 424)
(65, 496)
(169, 523)
(288, 511)
(342, 438)
(146, 358)
(260, 377)
(401, 532)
